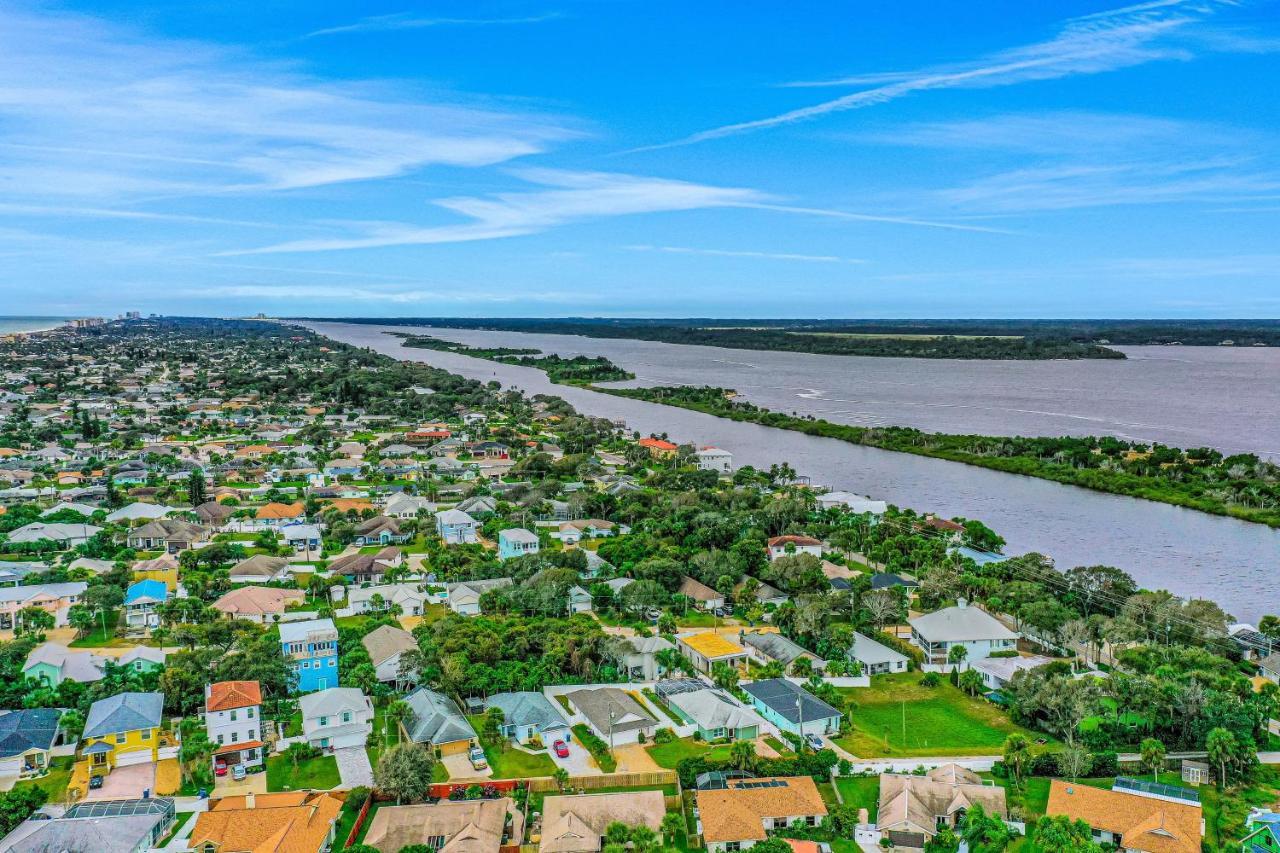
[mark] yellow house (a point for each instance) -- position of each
(123, 730)
(168, 577)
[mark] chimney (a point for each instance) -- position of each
(248, 800)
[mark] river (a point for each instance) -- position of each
(1190, 553)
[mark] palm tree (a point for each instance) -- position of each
(1017, 750)
(396, 711)
(742, 755)
(1153, 756)
(956, 656)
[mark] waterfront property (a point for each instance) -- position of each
(979, 632)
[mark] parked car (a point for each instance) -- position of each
(95, 782)
(478, 761)
(238, 773)
(814, 741)
(561, 748)
(220, 769)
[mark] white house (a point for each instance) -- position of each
(997, 672)
(386, 646)
(233, 720)
(336, 718)
(978, 631)
(516, 542)
(855, 503)
(456, 527)
(714, 459)
(781, 546)
(464, 597)
(876, 658)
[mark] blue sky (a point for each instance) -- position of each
(533, 157)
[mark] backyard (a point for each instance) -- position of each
(508, 762)
(670, 754)
(319, 773)
(896, 716)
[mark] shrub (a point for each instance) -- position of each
(664, 736)
(357, 796)
(930, 679)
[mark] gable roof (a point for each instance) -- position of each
(777, 647)
(780, 695)
(575, 824)
(698, 591)
(387, 641)
(435, 718)
(468, 826)
(527, 709)
(124, 712)
(597, 703)
(711, 709)
(329, 703)
(259, 566)
(146, 592)
(911, 803)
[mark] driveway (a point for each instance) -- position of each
(252, 783)
(578, 762)
(126, 783)
(460, 769)
(354, 766)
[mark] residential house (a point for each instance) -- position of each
(977, 631)
(274, 515)
(380, 530)
(27, 738)
(233, 721)
(213, 513)
(291, 822)
(658, 448)
(122, 730)
(141, 659)
(139, 512)
(312, 646)
(764, 594)
(450, 826)
(1269, 667)
(572, 532)
(436, 720)
(997, 672)
(52, 664)
(913, 808)
(163, 568)
(386, 646)
(516, 542)
(714, 459)
(577, 824)
(166, 534)
(367, 568)
(642, 663)
(263, 604)
(1261, 832)
(303, 538)
(612, 714)
(409, 597)
(716, 714)
(479, 505)
(781, 546)
(1134, 816)
(876, 658)
(403, 506)
(53, 598)
(116, 826)
(857, 504)
(792, 708)
(259, 568)
(456, 527)
(528, 716)
(742, 813)
(703, 596)
(580, 600)
(768, 646)
(706, 649)
(140, 602)
(336, 718)
(66, 535)
(464, 596)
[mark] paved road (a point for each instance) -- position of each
(354, 766)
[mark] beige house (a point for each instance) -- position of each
(576, 824)
(913, 808)
(466, 826)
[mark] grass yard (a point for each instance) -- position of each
(670, 754)
(895, 716)
(55, 781)
(319, 773)
(655, 700)
(99, 637)
(860, 792)
(1225, 811)
(517, 764)
(779, 747)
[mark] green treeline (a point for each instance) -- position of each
(1241, 486)
(579, 370)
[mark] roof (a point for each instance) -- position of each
(609, 707)
(869, 651)
(518, 534)
(27, 729)
(1005, 668)
(256, 600)
(711, 645)
(435, 718)
(108, 834)
(280, 510)
(73, 665)
(960, 624)
(468, 826)
(780, 695)
(792, 539)
(331, 702)
(365, 564)
(575, 824)
(697, 590)
(454, 516)
(225, 695)
(711, 709)
(779, 648)
(911, 803)
(145, 592)
(259, 566)
(387, 641)
(124, 712)
(1145, 823)
(300, 632)
(738, 812)
(277, 823)
(527, 709)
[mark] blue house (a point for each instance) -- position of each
(792, 708)
(516, 542)
(312, 646)
(140, 602)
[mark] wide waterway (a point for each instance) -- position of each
(1187, 552)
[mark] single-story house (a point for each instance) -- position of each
(380, 530)
(302, 537)
(66, 535)
(259, 568)
(528, 715)
(307, 819)
(876, 658)
(137, 825)
(717, 715)
(742, 813)
(768, 646)
(436, 720)
(577, 824)
(464, 596)
(580, 600)
(780, 546)
(265, 604)
(612, 714)
(703, 596)
(367, 568)
(1133, 818)
(456, 826)
(53, 663)
(706, 649)
(913, 808)
(997, 672)
(166, 534)
(857, 504)
(792, 708)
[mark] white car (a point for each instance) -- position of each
(478, 760)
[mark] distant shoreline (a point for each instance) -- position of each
(47, 324)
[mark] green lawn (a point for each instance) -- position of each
(603, 756)
(781, 748)
(895, 716)
(97, 637)
(670, 754)
(55, 781)
(517, 764)
(655, 700)
(860, 792)
(319, 773)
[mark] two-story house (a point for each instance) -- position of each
(336, 718)
(456, 527)
(122, 730)
(312, 646)
(977, 631)
(140, 602)
(233, 720)
(516, 542)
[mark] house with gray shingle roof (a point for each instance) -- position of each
(437, 720)
(124, 712)
(26, 739)
(765, 647)
(527, 715)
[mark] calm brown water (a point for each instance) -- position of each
(1185, 396)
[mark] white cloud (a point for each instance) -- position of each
(408, 21)
(737, 253)
(1106, 41)
(95, 110)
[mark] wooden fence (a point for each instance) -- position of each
(607, 780)
(360, 818)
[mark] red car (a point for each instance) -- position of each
(561, 748)
(220, 769)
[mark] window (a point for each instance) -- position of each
(233, 716)
(249, 713)
(732, 847)
(219, 740)
(346, 716)
(235, 737)
(146, 734)
(435, 842)
(119, 737)
(324, 721)
(811, 820)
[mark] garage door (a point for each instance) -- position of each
(138, 756)
(455, 747)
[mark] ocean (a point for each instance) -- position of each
(9, 325)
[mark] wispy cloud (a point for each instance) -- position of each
(410, 21)
(1106, 41)
(737, 253)
(125, 117)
